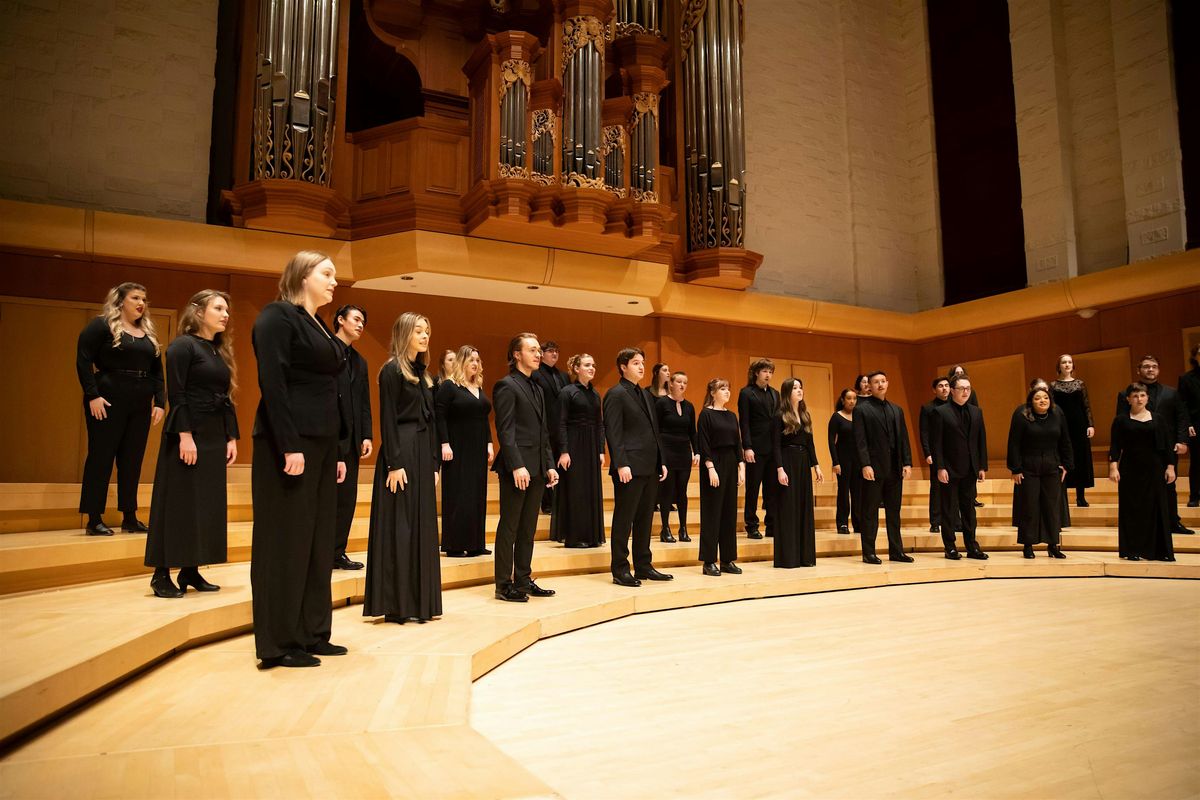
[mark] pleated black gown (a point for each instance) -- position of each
(462, 422)
(795, 519)
(404, 575)
(188, 505)
(1036, 449)
(1142, 451)
(1072, 398)
(578, 517)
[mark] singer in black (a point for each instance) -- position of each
(677, 424)
(941, 396)
(118, 361)
(635, 452)
(1142, 464)
(720, 441)
(1039, 456)
(354, 404)
(795, 518)
(188, 507)
(462, 409)
(1189, 395)
(758, 403)
(552, 380)
(958, 443)
(1071, 395)
(294, 473)
(578, 519)
(886, 457)
(844, 454)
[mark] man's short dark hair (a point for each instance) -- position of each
(624, 357)
(957, 380)
(871, 375)
(1146, 358)
(345, 310)
(939, 379)
(549, 344)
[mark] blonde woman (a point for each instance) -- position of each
(118, 359)
(187, 512)
(792, 430)
(462, 409)
(294, 470)
(404, 578)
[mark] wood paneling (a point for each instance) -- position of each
(1106, 372)
(818, 397)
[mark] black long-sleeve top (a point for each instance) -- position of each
(578, 407)
(843, 452)
(677, 430)
(1128, 433)
(405, 413)
(715, 431)
(197, 386)
(798, 438)
(756, 408)
(1041, 445)
(95, 355)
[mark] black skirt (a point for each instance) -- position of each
(795, 520)
(188, 506)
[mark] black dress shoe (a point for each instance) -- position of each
(978, 504)
(483, 552)
(977, 554)
(625, 579)
(1181, 528)
(1164, 558)
(1132, 558)
(511, 594)
(1083, 504)
(935, 528)
(342, 561)
(711, 569)
(871, 559)
(537, 591)
(731, 568)
(903, 557)
(953, 555)
(326, 649)
(1055, 552)
(665, 536)
(753, 535)
(842, 529)
(1029, 551)
(190, 576)
(653, 575)
(1193, 503)
(577, 544)
(99, 529)
(295, 658)
(163, 586)
(135, 526)
(683, 535)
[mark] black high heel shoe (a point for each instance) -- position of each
(683, 535)
(190, 576)
(1029, 551)
(163, 586)
(665, 536)
(1055, 552)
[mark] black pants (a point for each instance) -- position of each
(633, 511)
(849, 499)
(292, 547)
(761, 474)
(718, 509)
(958, 511)
(120, 437)
(673, 492)
(515, 531)
(936, 516)
(886, 488)
(347, 502)
(1193, 478)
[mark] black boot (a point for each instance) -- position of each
(1029, 551)
(665, 535)
(683, 534)
(190, 576)
(162, 584)
(1054, 552)
(1080, 500)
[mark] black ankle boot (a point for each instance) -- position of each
(1054, 552)
(1029, 551)
(683, 535)
(665, 535)
(190, 576)
(162, 584)
(1080, 500)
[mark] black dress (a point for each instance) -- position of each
(795, 519)
(1072, 397)
(1036, 449)
(720, 441)
(844, 454)
(678, 431)
(1142, 451)
(578, 517)
(188, 506)
(404, 573)
(462, 423)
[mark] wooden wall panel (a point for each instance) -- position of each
(1106, 372)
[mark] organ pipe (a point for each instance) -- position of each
(583, 82)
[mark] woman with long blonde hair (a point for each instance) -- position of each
(199, 440)
(792, 430)
(404, 577)
(118, 360)
(461, 409)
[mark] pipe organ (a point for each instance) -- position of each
(583, 93)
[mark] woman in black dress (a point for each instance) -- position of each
(120, 370)
(862, 386)
(677, 429)
(578, 519)
(660, 381)
(1071, 395)
(720, 443)
(1039, 455)
(404, 574)
(461, 409)
(795, 519)
(1142, 463)
(188, 509)
(445, 368)
(294, 471)
(844, 454)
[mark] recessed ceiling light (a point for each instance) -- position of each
(406, 277)
(632, 302)
(533, 287)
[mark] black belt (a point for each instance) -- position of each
(136, 373)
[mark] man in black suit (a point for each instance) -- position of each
(941, 394)
(883, 450)
(1164, 403)
(959, 446)
(552, 380)
(523, 462)
(636, 467)
(354, 405)
(1189, 395)
(758, 402)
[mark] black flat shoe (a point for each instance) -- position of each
(483, 552)
(653, 575)
(163, 586)
(978, 555)
(625, 579)
(665, 536)
(683, 535)
(953, 555)
(296, 658)
(935, 528)
(342, 561)
(871, 560)
(1083, 504)
(99, 529)
(326, 649)
(842, 529)
(537, 591)
(731, 568)
(1055, 552)
(1132, 558)
(1164, 558)
(1029, 551)
(192, 578)
(753, 535)
(1183, 529)
(978, 504)
(904, 558)
(511, 594)
(137, 526)
(711, 569)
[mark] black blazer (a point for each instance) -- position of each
(1165, 404)
(961, 454)
(354, 403)
(925, 424)
(521, 426)
(1189, 395)
(875, 449)
(631, 428)
(298, 364)
(756, 408)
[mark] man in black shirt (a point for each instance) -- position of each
(941, 395)
(354, 405)
(1189, 393)
(758, 403)
(883, 450)
(959, 447)
(552, 381)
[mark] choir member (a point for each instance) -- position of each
(1142, 464)
(120, 370)
(844, 454)
(461, 409)
(188, 507)
(525, 467)
(404, 574)
(677, 424)
(552, 380)
(579, 514)
(294, 472)
(720, 441)
(881, 436)
(758, 402)
(957, 370)
(1163, 402)
(354, 403)
(660, 380)
(445, 368)
(941, 395)
(1039, 456)
(862, 387)
(1071, 395)
(796, 529)
(1189, 395)
(959, 448)
(636, 467)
